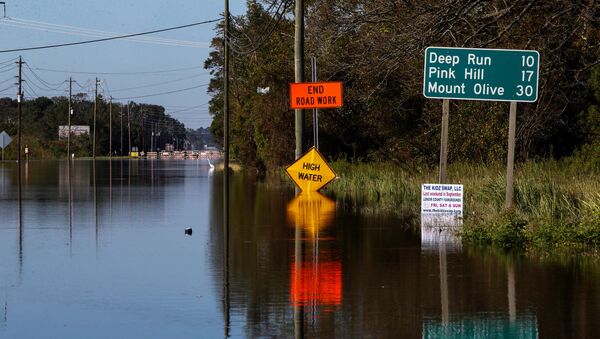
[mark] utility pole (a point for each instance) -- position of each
(152, 139)
(19, 165)
(299, 70)
(226, 117)
(226, 96)
(143, 129)
(226, 167)
(19, 99)
(110, 128)
(121, 116)
(95, 111)
(69, 120)
(129, 128)
(315, 110)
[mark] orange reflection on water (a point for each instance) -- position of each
(316, 283)
(311, 211)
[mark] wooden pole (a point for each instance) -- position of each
(510, 164)
(129, 129)
(444, 141)
(315, 111)
(226, 300)
(299, 72)
(69, 121)
(226, 124)
(110, 128)
(95, 111)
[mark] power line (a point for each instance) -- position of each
(189, 108)
(10, 61)
(7, 80)
(7, 88)
(118, 73)
(30, 88)
(79, 31)
(7, 68)
(237, 49)
(109, 38)
(163, 93)
(44, 87)
(83, 87)
(53, 86)
(157, 84)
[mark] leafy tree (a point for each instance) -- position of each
(376, 48)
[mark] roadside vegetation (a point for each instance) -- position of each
(556, 210)
(388, 133)
(42, 116)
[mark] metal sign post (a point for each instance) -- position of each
(315, 110)
(510, 162)
(444, 141)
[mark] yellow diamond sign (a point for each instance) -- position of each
(310, 172)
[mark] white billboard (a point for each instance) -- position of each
(76, 130)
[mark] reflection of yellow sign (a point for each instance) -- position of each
(310, 172)
(311, 211)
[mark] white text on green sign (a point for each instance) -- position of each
(481, 74)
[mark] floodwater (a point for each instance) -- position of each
(100, 252)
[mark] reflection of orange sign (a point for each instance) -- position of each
(316, 283)
(311, 211)
(315, 95)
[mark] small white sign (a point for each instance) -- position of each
(442, 200)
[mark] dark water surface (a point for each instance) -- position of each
(108, 258)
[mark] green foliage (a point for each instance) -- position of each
(506, 231)
(375, 48)
(556, 209)
(261, 125)
(42, 117)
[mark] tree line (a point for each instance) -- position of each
(376, 47)
(42, 116)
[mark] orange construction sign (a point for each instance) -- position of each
(305, 95)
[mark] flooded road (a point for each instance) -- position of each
(106, 255)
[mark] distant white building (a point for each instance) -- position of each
(76, 130)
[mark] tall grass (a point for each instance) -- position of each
(556, 204)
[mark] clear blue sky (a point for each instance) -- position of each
(124, 16)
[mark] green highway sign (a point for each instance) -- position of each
(481, 74)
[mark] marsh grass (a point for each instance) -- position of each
(556, 203)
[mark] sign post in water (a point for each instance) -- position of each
(481, 74)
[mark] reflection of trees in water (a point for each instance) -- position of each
(259, 254)
(356, 288)
(389, 285)
(562, 301)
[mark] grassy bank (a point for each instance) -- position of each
(557, 204)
